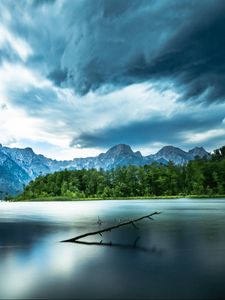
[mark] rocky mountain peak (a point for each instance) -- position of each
(170, 153)
(198, 151)
(138, 154)
(120, 149)
(28, 149)
(170, 150)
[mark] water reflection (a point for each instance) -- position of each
(133, 246)
(190, 234)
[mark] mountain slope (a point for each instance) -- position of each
(12, 176)
(19, 166)
(198, 152)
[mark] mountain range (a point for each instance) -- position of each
(19, 166)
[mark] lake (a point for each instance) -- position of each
(180, 254)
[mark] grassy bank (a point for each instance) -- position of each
(204, 196)
(61, 198)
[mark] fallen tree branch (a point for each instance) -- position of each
(110, 228)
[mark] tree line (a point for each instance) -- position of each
(197, 177)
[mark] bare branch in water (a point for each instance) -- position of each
(75, 239)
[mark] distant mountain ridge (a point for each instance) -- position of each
(19, 166)
(179, 156)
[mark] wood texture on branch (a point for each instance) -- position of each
(132, 222)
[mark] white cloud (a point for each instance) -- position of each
(15, 76)
(48, 118)
(200, 137)
(41, 113)
(18, 45)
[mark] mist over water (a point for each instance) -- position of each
(178, 255)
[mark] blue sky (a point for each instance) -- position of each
(77, 77)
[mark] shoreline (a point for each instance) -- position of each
(68, 199)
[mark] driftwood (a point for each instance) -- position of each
(132, 222)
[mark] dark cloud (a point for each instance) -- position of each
(125, 42)
(104, 45)
(117, 43)
(58, 76)
(166, 130)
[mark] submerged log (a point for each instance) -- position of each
(132, 222)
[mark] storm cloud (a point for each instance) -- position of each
(125, 42)
(93, 73)
(105, 45)
(174, 129)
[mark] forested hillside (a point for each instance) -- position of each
(19, 166)
(200, 176)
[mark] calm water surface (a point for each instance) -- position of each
(181, 254)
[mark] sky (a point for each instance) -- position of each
(77, 77)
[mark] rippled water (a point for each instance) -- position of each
(181, 254)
